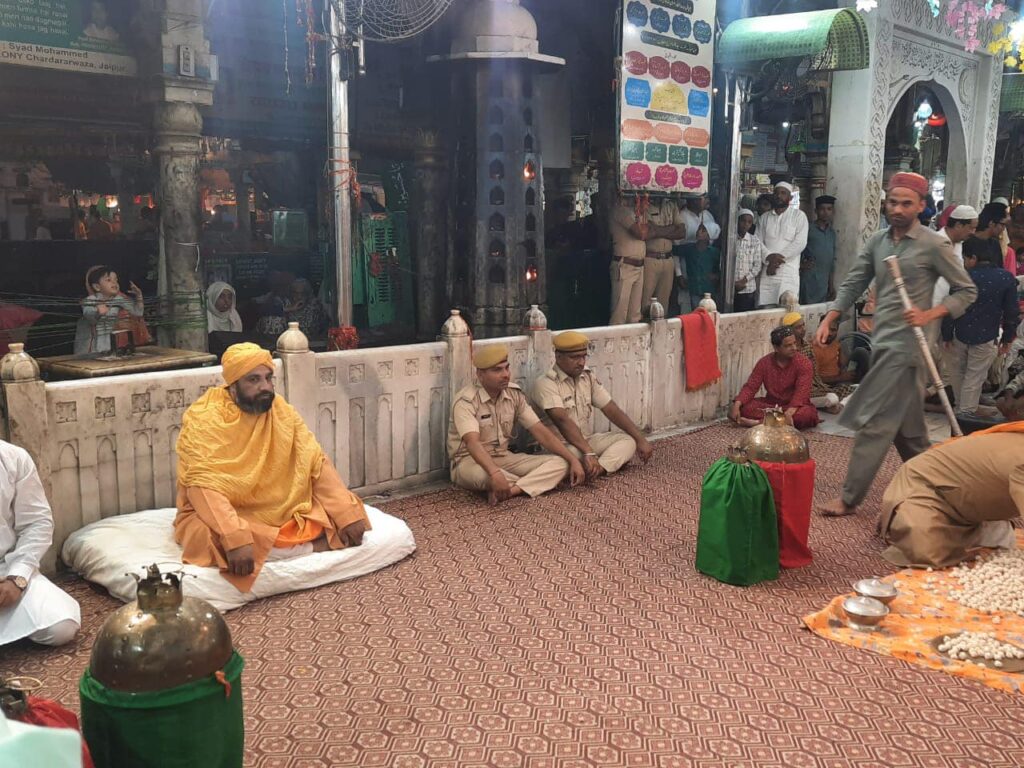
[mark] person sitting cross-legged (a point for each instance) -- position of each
(31, 606)
(786, 376)
(252, 477)
(484, 416)
(568, 395)
(826, 395)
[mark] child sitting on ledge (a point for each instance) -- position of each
(106, 310)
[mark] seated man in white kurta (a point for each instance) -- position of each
(568, 394)
(30, 604)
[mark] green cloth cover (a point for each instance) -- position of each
(189, 726)
(738, 535)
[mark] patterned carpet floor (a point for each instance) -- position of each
(574, 631)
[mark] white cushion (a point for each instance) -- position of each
(109, 551)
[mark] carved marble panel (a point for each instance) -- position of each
(104, 408)
(140, 403)
(66, 412)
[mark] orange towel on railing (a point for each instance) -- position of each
(700, 350)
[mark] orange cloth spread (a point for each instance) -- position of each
(262, 464)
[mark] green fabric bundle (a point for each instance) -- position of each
(738, 535)
(188, 726)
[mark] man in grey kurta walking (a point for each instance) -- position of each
(888, 405)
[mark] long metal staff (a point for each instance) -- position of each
(893, 264)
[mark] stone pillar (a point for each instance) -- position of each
(429, 229)
(24, 407)
(541, 353)
(856, 144)
(176, 128)
(455, 332)
(165, 29)
(663, 368)
(300, 378)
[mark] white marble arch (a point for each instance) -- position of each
(908, 46)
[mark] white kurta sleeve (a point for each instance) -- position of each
(33, 521)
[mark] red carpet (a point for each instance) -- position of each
(574, 631)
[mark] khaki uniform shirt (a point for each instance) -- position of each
(624, 244)
(494, 420)
(556, 389)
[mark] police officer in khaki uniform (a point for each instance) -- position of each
(484, 416)
(642, 262)
(568, 394)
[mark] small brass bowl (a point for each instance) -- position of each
(882, 591)
(864, 612)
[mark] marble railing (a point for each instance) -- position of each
(107, 446)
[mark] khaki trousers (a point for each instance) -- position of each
(534, 474)
(613, 449)
(627, 282)
(968, 370)
(659, 277)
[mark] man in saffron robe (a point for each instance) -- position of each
(252, 477)
(786, 376)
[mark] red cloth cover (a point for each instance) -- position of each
(793, 491)
(700, 350)
(50, 714)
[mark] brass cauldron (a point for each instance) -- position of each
(161, 640)
(775, 440)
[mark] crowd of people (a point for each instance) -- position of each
(671, 254)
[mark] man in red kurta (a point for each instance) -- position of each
(787, 377)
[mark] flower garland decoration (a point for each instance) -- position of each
(964, 17)
(1007, 43)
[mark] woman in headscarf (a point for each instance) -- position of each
(221, 314)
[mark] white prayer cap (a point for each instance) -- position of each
(964, 213)
(784, 185)
(746, 212)
(1002, 201)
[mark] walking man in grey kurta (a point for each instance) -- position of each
(888, 406)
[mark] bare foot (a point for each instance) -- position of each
(492, 498)
(836, 508)
(516, 491)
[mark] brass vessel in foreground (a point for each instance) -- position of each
(775, 441)
(161, 640)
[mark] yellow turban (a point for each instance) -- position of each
(571, 341)
(490, 356)
(239, 359)
(792, 318)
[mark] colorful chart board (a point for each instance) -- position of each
(665, 97)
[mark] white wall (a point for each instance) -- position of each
(107, 446)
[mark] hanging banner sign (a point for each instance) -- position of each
(665, 102)
(73, 35)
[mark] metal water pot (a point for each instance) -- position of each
(160, 641)
(775, 441)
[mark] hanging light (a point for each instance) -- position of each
(925, 110)
(937, 120)
(529, 171)
(531, 273)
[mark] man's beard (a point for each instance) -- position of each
(255, 405)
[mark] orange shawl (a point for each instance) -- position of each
(263, 464)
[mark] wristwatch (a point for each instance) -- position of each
(20, 582)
